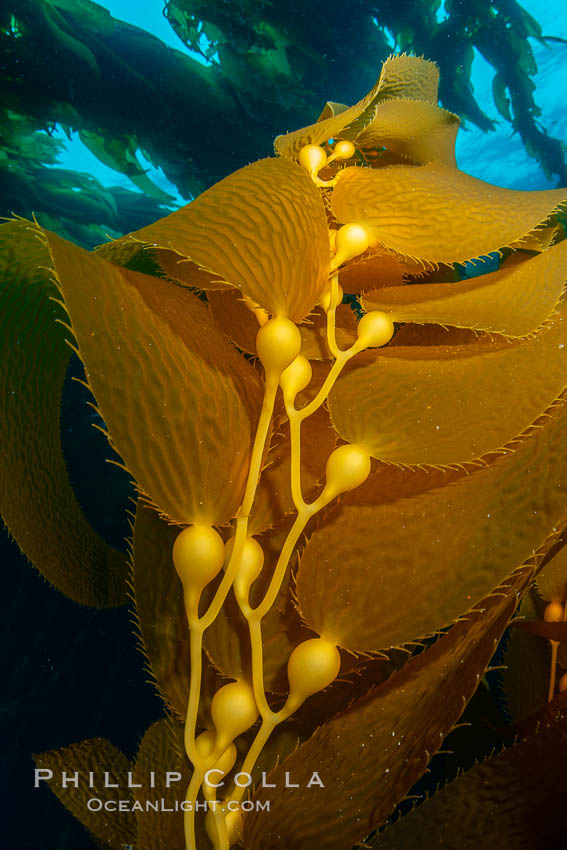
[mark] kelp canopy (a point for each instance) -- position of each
(381, 491)
(71, 64)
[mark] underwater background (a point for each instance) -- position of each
(115, 114)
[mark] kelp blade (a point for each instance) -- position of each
(510, 800)
(370, 755)
(439, 214)
(514, 301)
(37, 501)
(401, 77)
(262, 229)
(450, 405)
(435, 554)
(179, 403)
(101, 760)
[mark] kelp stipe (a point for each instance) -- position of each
(352, 490)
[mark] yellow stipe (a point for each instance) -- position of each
(314, 664)
(198, 625)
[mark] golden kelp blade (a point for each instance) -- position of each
(37, 501)
(179, 403)
(160, 611)
(263, 229)
(95, 755)
(418, 131)
(509, 800)
(401, 76)
(449, 405)
(432, 556)
(236, 319)
(439, 214)
(409, 77)
(179, 269)
(370, 755)
(290, 144)
(160, 752)
(513, 301)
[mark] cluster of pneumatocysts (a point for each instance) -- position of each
(200, 554)
(555, 612)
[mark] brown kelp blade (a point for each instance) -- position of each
(415, 405)
(37, 502)
(552, 579)
(377, 269)
(108, 767)
(160, 611)
(431, 557)
(236, 319)
(540, 628)
(524, 678)
(513, 301)
(262, 229)
(179, 403)
(369, 756)
(438, 214)
(525, 681)
(161, 753)
(513, 799)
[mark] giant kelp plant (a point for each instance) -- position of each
(70, 64)
(339, 510)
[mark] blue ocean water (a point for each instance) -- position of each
(500, 157)
(497, 157)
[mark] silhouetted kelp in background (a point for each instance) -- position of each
(272, 65)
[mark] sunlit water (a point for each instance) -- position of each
(497, 157)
